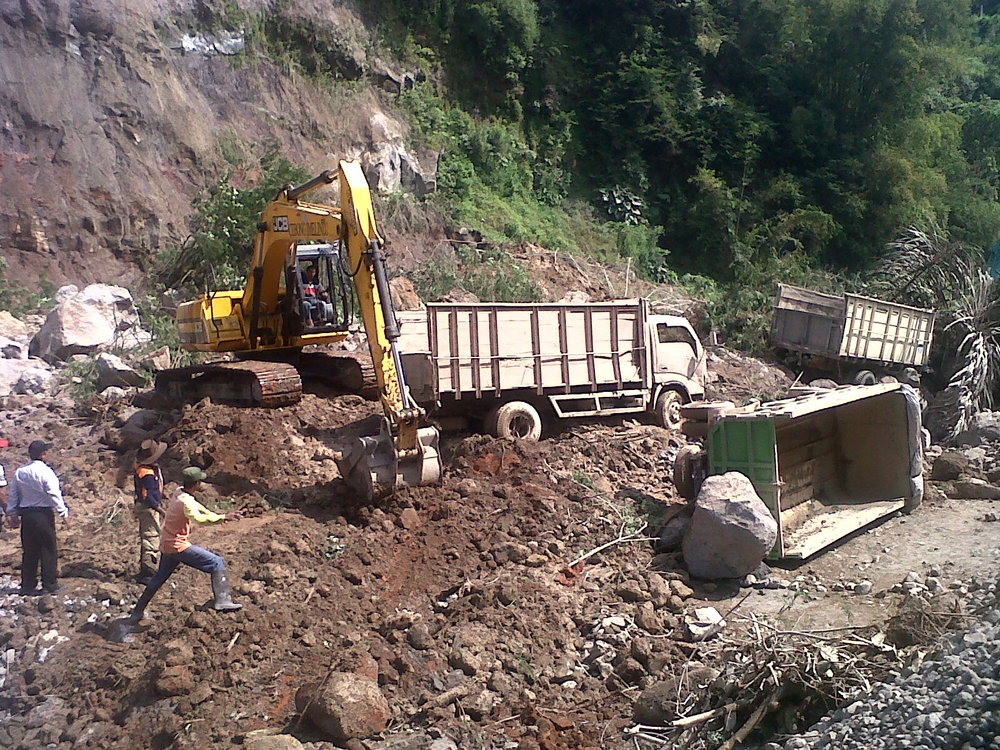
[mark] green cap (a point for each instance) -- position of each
(194, 474)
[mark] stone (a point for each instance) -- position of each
(113, 371)
(49, 712)
(648, 619)
(468, 661)
(404, 294)
(13, 328)
(83, 321)
(731, 530)
(631, 591)
(260, 741)
(535, 560)
(971, 489)
(511, 552)
(110, 592)
(681, 589)
(948, 466)
(347, 706)
(158, 359)
(659, 589)
(672, 533)
(173, 681)
(114, 393)
(176, 653)
(704, 623)
(33, 381)
(419, 637)
(409, 519)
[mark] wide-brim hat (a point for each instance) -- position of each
(150, 451)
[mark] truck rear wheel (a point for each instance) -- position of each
(515, 420)
(668, 409)
(865, 377)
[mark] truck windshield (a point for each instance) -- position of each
(667, 334)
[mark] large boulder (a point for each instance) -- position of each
(731, 530)
(949, 465)
(98, 317)
(348, 706)
(13, 328)
(112, 371)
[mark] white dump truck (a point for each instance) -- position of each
(518, 366)
(853, 339)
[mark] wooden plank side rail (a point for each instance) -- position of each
(588, 335)
(564, 349)
(616, 354)
(456, 370)
(494, 351)
(474, 335)
(536, 352)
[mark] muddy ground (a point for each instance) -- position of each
(468, 586)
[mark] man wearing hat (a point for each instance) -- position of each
(175, 549)
(148, 507)
(35, 498)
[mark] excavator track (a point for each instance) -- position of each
(353, 374)
(244, 383)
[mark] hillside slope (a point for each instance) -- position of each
(113, 117)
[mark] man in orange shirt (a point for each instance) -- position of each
(175, 549)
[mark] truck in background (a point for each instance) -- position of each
(851, 339)
(519, 366)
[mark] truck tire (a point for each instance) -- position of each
(689, 471)
(864, 377)
(515, 420)
(668, 409)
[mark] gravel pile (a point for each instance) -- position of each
(951, 702)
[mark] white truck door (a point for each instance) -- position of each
(678, 350)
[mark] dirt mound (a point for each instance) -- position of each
(465, 590)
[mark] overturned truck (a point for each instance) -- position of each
(826, 463)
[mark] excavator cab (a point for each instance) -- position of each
(322, 294)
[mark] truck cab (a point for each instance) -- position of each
(678, 366)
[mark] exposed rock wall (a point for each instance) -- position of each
(111, 111)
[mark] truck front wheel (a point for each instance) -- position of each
(515, 420)
(668, 409)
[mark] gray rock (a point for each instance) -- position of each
(971, 489)
(112, 371)
(256, 741)
(672, 534)
(33, 381)
(348, 706)
(85, 321)
(731, 530)
(948, 466)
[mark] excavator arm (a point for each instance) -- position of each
(405, 452)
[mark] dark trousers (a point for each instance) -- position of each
(38, 545)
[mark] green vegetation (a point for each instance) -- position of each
(217, 254)
(19, 300)
(720, 145)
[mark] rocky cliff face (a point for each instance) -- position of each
(111, 112)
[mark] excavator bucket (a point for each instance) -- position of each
(374, 469)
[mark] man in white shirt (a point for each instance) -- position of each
(35, 498)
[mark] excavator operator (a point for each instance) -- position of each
(314, 297)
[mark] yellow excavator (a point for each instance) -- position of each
(311, 265)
